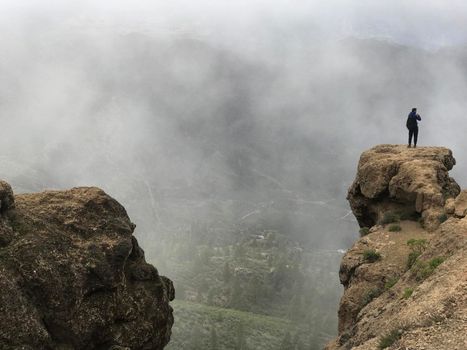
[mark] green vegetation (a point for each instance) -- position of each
(442, 218)
(364, 231)
(371, 255)
(417, 247)
(423, 269)
(391, 282)
(411, 259)
(213, 340)
(389, 339)
(388, 218)
(370, 295)
(407, 293)
(261, 273)
(286, 342)
(435, 262)
(220, 328)
(395, 228)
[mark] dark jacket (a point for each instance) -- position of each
(412, 120)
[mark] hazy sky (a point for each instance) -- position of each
(430, 23)
(82, 104)
(199, 109)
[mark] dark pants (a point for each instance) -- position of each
(413, 132)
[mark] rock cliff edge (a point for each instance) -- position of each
(73, 276)
(405, 280)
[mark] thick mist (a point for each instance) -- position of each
(171, 111)
(230, 131)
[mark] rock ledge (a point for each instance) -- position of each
(408, 180)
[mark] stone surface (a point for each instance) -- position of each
(7, 200)
(449, 206)
(73, 277)
(428, 312)
(397, 178)
(460, 204)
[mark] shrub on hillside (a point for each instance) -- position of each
(389, 339)
(407, 293)
(435, 262)
(371, 255)
(395, 228)
(423, 269)
(364, 231)
(442, 218)
(391, 282)
(370, 295)
(411, 259)
(417, 247)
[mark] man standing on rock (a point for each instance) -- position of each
(412, 125)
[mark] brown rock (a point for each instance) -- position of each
(460, 204)
(434, 316)
(394, 177)
(7, 200)
(449, 206)
(67, 273)
(426, 305)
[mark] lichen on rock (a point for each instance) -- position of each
(73, 276)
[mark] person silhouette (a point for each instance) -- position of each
(412, 125)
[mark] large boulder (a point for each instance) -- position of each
(73, 276)
(407, 180)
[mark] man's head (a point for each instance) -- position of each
(414, 109)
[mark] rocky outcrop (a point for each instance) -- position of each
(405, 280)
(73, 276)
(407, 180)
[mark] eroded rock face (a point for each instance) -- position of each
(422, 300)
(383, 296)
(407, 180)
(73, 277)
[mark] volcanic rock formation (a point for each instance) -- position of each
(405, 280)
(72, 276)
